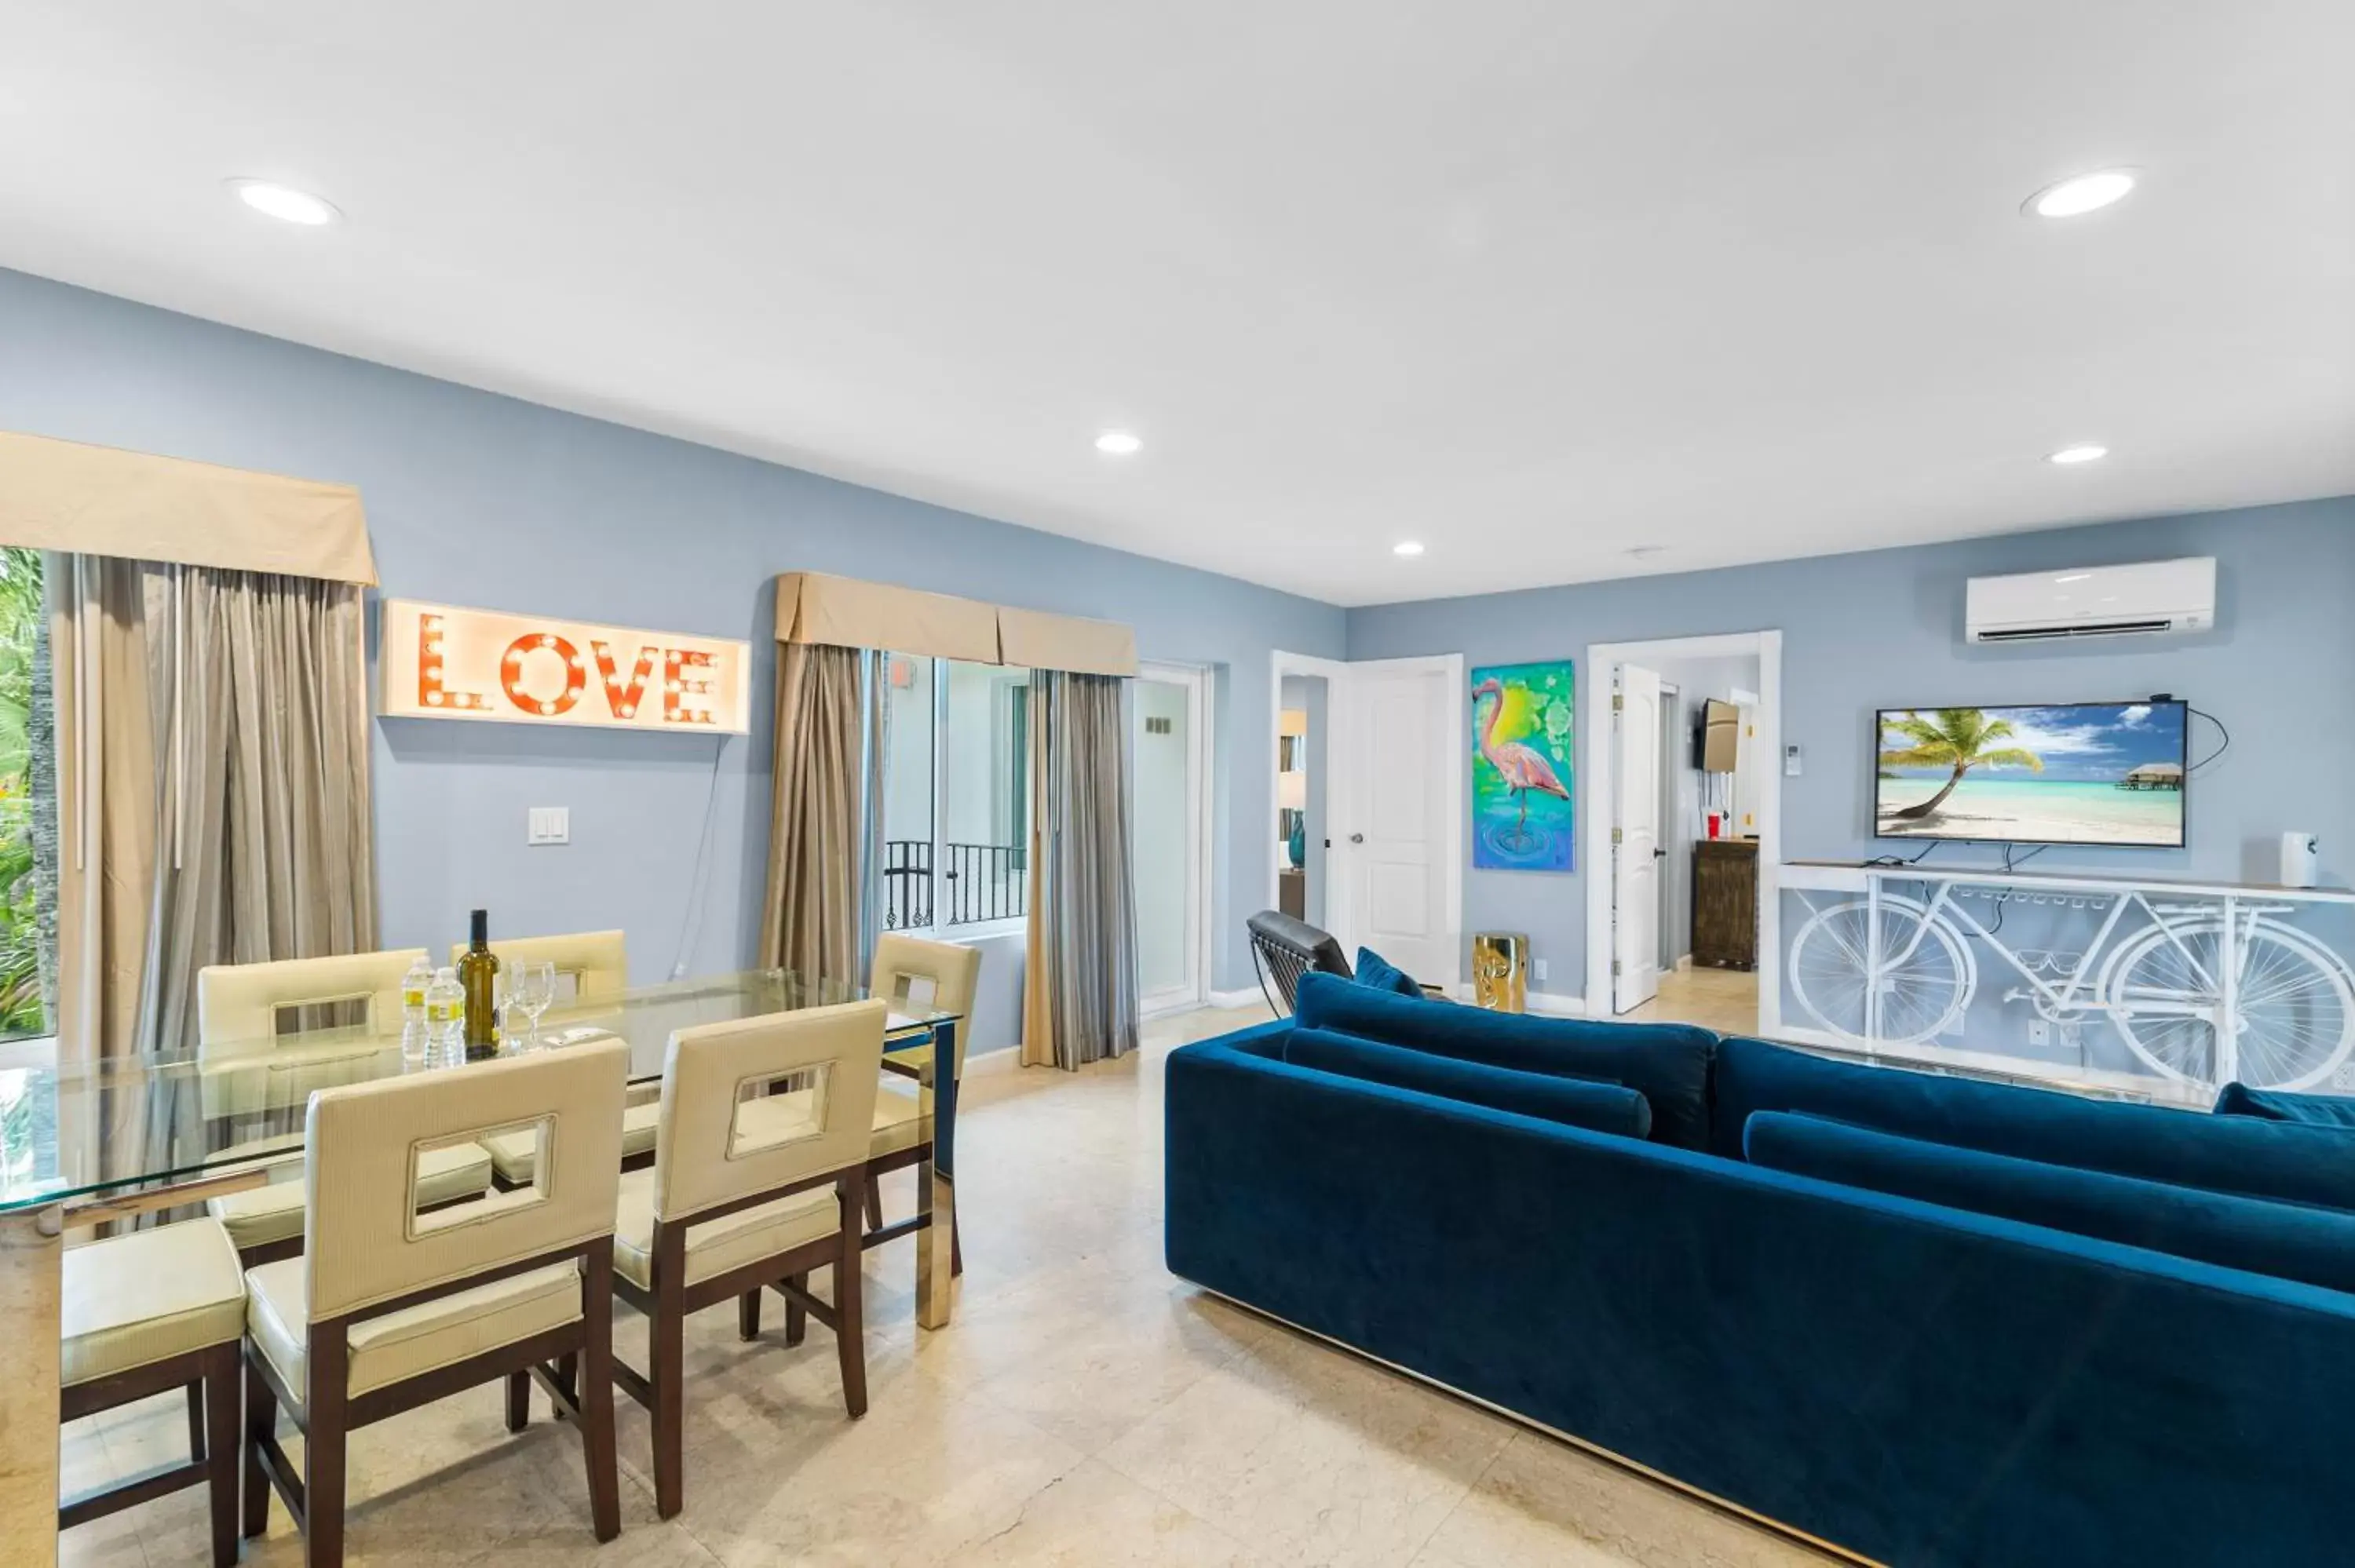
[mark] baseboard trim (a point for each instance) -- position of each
(1224, 999)
(1546, 1003)
(1710, 1500)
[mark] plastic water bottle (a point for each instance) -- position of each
(445, 1018)
(416, 1038)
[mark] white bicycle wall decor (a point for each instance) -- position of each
(2204, 984)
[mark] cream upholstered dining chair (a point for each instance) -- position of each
(144, 1314)
(241, 1004)
(392, 1306)
(911, 974)
(750, 1190)
(598, 963)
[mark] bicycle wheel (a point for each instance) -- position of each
(2294, 1019)
(1925, 981)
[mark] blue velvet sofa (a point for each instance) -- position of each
(1910, 1380)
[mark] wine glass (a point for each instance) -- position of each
(535, 993)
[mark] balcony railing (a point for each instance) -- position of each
(974, 883)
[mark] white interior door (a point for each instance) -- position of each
(1636, 848)
(1395, 800)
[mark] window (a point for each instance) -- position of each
(28, 888)
(955, 793)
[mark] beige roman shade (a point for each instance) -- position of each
(845, 612)
(1037, 641)
(96, 500)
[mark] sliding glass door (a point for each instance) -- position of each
(1168, 734)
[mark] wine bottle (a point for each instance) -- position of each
(478, 973)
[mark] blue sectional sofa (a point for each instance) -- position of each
(1927, 1320)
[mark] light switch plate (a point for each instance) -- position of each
(1537, 967)
(549, 825)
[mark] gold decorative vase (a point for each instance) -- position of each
(1500, 970)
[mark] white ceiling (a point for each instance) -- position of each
(1533, 280)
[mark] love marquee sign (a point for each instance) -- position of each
(441, 662)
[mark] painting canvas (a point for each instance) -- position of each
(1523, 807)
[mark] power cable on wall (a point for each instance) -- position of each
(691, 922)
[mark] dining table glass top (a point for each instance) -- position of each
(74, 1130)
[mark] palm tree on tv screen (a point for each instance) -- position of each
(1959, 738)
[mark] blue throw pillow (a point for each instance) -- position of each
(2278, 1104)
(1668, 1064)
(1579, 1102)
(2287, 1241)
(2190, 1148)
(1379, 972)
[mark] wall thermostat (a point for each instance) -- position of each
(1790, 762)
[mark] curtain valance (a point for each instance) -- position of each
(848, 613)
(97, 500)
(845, 612)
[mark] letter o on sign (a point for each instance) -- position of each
(576, 674)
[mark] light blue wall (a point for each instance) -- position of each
(482, 500)
(1884, 629)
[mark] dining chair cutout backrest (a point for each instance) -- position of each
(238, 1002)
(366, 1240)
(904, 964)
(597, 963)
(715, 1144)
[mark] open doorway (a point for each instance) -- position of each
(1303, 733)
(1169, 757)
(1683, 828)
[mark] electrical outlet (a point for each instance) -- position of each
(1536, 970)
(2040, 1033)
(548, 825)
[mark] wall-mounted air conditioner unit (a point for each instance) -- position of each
(2152, 598)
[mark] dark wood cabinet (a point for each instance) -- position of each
(1725, 904)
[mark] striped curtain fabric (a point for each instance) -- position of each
(1080, 984)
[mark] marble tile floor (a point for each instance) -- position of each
(1723, 1000)
(1085, 1409)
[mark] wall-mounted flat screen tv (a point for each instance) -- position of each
(2085, 773)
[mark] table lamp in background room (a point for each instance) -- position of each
(1292, 795)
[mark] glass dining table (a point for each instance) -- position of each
(84, 1144)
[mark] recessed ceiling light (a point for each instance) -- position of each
(2088, 453)
(286, 203)
(1407, 547)
(2081, 194)
(1119, 443)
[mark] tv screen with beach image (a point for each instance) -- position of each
(2088, 773)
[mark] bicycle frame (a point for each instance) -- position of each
(2071, 998)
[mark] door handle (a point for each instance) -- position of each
(1356, 838)
(1657, 855)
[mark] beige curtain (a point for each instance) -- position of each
(818, 850)
(1079, 984)
(107, 811)
(213, 740)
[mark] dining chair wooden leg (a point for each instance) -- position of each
(596, 1394)
(748, 1316)
(260, 1423)
(324, 1440)
(956, 1250)
(224, 1366)
(568, 1374)
(874, 1203)
(796, 1319)
(667, 1368)
(849, 1329)
(197, 1453)
(518, 1401)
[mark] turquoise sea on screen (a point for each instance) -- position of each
(2035, 809)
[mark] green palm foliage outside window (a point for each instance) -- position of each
(21, 970)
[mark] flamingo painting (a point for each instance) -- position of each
(1522, 716)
